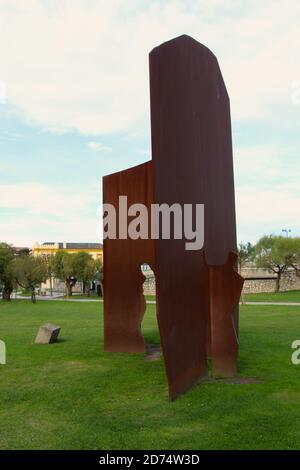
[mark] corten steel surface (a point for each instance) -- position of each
(225, 286)
(197, 291)
(124, 303)
(192, 157)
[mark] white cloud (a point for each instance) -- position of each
(99, 147)
(267, 190)
(8, 135)
(266, 164)
(38, 211)
(25, 230)
(2, 92)
(84, 64)
(267, 206)
(56, 130)
(36, 198)
(265, 211)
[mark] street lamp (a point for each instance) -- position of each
(287, 231)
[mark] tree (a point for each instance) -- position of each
(274, 253)
(22, 251)
(63, 267)
(295, 261)
(99, 265)
(89, 273)
(7, 255)
(49, 265)
(29, 272)
(99, 275)
(245, 254)
(86, 268)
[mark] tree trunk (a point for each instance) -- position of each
(278, 279)
(69, 288)
(51, 286)
(33, 298)
(6, 293)
(242, 298)
(83, 287)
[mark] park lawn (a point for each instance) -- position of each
(72, 395)
(150, 297)
(75, 296)
(288, 296)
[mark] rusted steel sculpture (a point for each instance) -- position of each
(197, 291)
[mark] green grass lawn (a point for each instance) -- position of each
(92, 296)
(72, 395)
(288, 296)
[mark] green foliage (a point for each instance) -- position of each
(73, 395)
(49, 260)
(62, 265)
(85, 267)
(99, 265)
(245, 253)
(274, 253)
(29, 272)
(74, 267)
(24, 252)
(292, 296)
(64, 268)
(6, 275)
(295, 259)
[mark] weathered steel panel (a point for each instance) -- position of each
(124, 303)
(197, 291)
(225, 286)
(192, 157)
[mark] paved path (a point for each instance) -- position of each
(286, 304)
(63, 299)
(55, 296)
(79, 300)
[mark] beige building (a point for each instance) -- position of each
(50, 248)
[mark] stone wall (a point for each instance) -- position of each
(259, 285)
(59, 286)
(149, 284)
(289, 281)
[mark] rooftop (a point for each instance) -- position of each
(75, 245)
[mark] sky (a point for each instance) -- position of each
(74, 106)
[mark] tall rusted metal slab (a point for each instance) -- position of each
(197, 291)
(225, 286)
(124, 302)
(192, 157)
